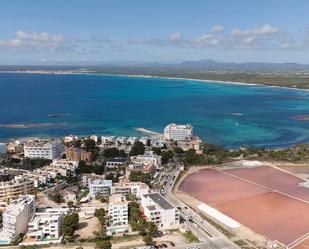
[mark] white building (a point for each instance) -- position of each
(148, 157)
(17, 216)
(94, 138)
(63, 167)
(70, 138)
(131, 140)
(48, 149)
(125, 187)
(144, 140)
(45, 228)
(68, 195)
(107, 139)
(178, 132)
(115, 162)
(118, 211)
(99, 186)
(121, 140)
(160, 211)
(157, 142)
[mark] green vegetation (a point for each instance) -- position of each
(166, 156)
(56, 198)
(103, 244)
(69, 225)
(286, 79)
(89, 145)
(148, 239)
(214, 154)
(70, 204)
(97, 168)
(113, 152)
(140, 176)
(113, 176)
(27, 163)
(101, 214)
(137, 149)
(146, 228)
(190, 237)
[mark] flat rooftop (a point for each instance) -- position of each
(160, 200)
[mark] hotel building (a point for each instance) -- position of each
(178, 132)
(160, 211)
(48, 149)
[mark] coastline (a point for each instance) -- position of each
(156, 77)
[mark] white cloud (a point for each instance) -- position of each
(261, 37)
(206, 40)
(175, 37)
(217, 29)
(34, 41)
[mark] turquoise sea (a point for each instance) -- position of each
(226, 114)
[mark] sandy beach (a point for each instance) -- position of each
(148, 132)
(152, 76)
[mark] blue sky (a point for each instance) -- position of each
(99, 31)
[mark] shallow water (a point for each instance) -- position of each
(226, 114)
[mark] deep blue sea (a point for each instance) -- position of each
(100, 104)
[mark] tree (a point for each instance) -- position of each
(70, 204)
(103, 244)
(77, 143)
(137, 149)
(166, 156)
(113, 152)
(148, 239)
(140, 176)
(70, 224)
(98, 169)
(103, 219)
(178, 150)
(56, 198)
(157, 151)
(151, 228)
(89, 144)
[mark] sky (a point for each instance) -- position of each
(70, 32)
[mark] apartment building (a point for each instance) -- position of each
(45, 227)
(17, 216)
(131, 140)
(160, 211)
(107, 140)
(178, 132)
(127, 187)
(48, 149)
(19, 185)
(118, 211)
(76, 154)
(121, 140)
(157, 142)
(99, 186)
(63, 167)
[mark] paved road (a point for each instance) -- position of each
(210, 237)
